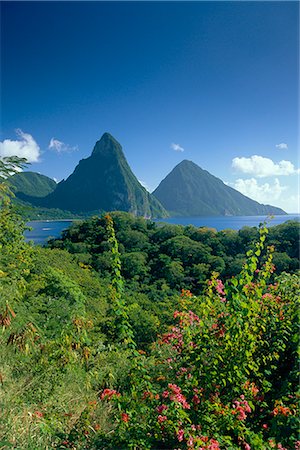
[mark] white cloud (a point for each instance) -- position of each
(55, 179)
(260, 167)
(25, 147)
(262, 193)
(282, 146)
(177, 147)
(60, 146)
(291, 204)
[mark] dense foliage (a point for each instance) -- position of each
(29, 212)
(88, 361)
(31, 183)
(162, 259)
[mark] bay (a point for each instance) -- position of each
(231, 222)
(41, 231)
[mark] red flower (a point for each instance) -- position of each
(161, 418)
(161, 408)
(125, 417)
(107, 394)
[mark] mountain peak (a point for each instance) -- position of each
(106, 144)
(189, 190)
(104, 182)
(187, 163)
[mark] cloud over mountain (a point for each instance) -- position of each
(260, 167)
(263, 193)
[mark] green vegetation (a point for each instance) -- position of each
(191, 191)
(32, 184)
(159, 260)
(101, 349)
(29, 212)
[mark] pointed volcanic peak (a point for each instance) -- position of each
(191, 191)
(31, 184)
(107, 145)
(104, 182)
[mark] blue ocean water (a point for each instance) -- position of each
(44, 230)
(232, 222)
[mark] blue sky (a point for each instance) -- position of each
(212, 82)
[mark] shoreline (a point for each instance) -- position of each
(53, 220)
(165, 219)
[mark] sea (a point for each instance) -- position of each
(41, 231)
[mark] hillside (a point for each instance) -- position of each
(31, 184)
(189, 190)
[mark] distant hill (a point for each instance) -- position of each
(31, 184)
(105, 182)
(189, 190)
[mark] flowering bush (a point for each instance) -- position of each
(217, 378)
(222, 376)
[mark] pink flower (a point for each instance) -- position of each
(180, 398)
(267, 295)
(161, 408)
(193, 318)
(241, 408)
(161, 419)
(214, 445)
(180, 435)
(174, 388)
(247, 446)
(190, 442)
(220, 287)
(241, 413)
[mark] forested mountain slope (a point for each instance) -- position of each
(31, 184)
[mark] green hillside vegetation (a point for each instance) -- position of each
(89, 359)
(160, 258)
(104, 181)
(29, 212)
(191, 191)
(32, 184)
